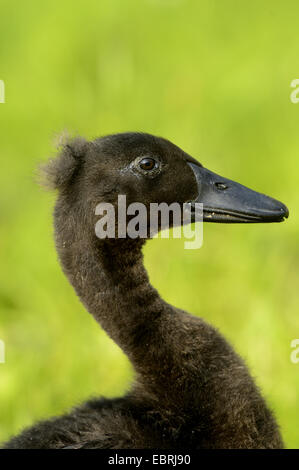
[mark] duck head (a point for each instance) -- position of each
(151, 169)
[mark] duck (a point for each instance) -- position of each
(191, 389)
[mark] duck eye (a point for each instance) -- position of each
(147, 164)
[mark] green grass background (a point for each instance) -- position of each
(214, 77)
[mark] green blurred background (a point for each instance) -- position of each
(214, 77)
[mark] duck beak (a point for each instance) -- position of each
(229, 202)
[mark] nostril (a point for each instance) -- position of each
(221, 186)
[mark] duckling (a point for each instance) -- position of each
(191, 389)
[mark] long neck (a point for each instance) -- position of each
(112, 283)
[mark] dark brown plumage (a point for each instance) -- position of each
(191, 389)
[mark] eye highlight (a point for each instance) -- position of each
(147, 164)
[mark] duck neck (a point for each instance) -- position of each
(112, 283)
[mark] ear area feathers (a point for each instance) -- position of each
(58, 172)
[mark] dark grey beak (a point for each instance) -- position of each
(229, 202)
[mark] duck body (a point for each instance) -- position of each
(191, 389)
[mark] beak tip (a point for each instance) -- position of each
(284, 212)
(280, 210)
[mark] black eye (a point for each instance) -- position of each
(147, 164)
